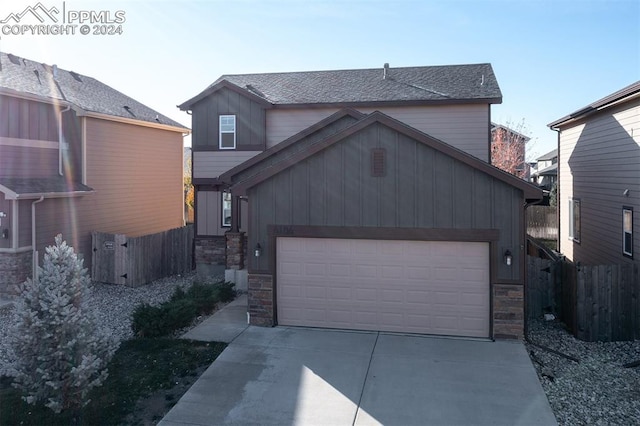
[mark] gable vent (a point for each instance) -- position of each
(378, 159)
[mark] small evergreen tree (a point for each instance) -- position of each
(61, 355)
(553, 195)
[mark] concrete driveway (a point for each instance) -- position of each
(286, 376)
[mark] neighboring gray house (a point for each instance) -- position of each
(367, 196)
(545, 173)
(599, 180)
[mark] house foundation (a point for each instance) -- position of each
(15, 268)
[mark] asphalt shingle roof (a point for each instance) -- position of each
(50, 186)
(87, 93)
(447, 83)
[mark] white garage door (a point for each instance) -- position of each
(401, 286)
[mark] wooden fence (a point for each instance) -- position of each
(542, 222)
(118, 259)
(596, 303)
(607, 303)
(543, 287)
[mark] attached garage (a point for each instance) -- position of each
(427, 287)
(380, 227)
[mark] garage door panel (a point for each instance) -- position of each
(401, 286)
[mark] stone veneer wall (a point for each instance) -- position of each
(15, 268)
(235, 250)
(211, 250)
(508, 311)
(261, 300)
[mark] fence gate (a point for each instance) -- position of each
(109, 258)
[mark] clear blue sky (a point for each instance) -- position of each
(550, 57)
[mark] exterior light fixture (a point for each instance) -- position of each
(508, 258)
(257, 251)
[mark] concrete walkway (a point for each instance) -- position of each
(224, 325)
(301, 376)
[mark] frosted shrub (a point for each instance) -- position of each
(61, 355)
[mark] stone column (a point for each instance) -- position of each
(235, 250)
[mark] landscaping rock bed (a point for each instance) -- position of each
(596, 390)
(113, 304)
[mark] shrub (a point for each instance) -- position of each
(181, 309)
(61, 355)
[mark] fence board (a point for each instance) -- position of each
(140, 260)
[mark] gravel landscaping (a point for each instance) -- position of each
(114, 305)
(596, 390)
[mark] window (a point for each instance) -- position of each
(227, 132)
(627, 231)
(226, 209)
(574, 219)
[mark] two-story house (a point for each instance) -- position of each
(599, 180)
(508, 148)
(78, 156)
(545, 173)
(361, 199)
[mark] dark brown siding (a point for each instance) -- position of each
(25, 119)
(19, 161)
(29, 140)
(250, 121)
(422, 188)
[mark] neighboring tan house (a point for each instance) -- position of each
(77, 156)
(599, 180)
(508, 149)
(545, 173)
(367, 196)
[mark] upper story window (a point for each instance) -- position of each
(627, 231)
(574, 219)
(227, 127)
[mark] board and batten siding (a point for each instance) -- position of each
(136, 173)
(211, 164)
(463, 126)
(422, 188)
(29, 133)
(599, 158)
(209, 214)
(250, 120)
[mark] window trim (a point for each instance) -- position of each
(222, 209)
(625, 253)
(221, 132)
(573, 219)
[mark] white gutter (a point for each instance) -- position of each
(60, 137)
(33, 238)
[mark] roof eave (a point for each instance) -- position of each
(12, 195)
(187, 105)
(137, 122)
(624, 95)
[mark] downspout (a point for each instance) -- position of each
(33, 237)
(60, 138)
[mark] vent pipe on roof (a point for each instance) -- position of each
(385, 71)
(54, 71)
